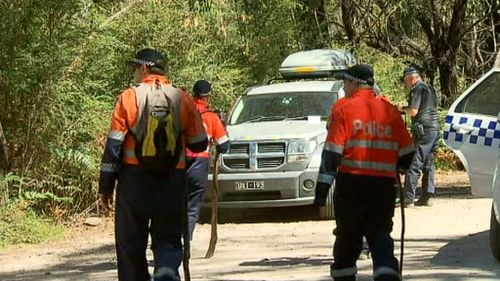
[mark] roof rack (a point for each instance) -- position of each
(318, 63)
(298, 78)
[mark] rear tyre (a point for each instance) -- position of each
(327, 212)
(494, 235)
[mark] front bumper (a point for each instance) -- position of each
(281, 189)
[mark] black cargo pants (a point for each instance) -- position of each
(148, 204)
(364, 206)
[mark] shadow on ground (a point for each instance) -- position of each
(281, 214)
(460, 259)
(81, 265)
(472, 251)
(309, 213)
(456, 191)
(290, 261)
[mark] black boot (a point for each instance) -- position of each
(424, 200)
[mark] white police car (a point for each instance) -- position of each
(472, 131)
(495, 213)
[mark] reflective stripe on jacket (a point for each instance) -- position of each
(370, 135)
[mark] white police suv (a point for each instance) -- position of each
(472, 131)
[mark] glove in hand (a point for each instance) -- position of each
(321, 194)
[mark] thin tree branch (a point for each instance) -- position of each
(470, 27)
(81, 52)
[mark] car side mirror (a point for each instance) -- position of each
(498, 117)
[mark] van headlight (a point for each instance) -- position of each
(300, 151)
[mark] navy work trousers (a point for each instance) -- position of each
(423, 162)
(364, 206)
(197, 182)
(148, 204)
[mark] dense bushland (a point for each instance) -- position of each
(62, 63)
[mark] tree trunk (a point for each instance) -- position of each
(444, 40)
(314, 27)
(3, 151)
(448, 80)
(348, 18)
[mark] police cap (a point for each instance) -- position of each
(361, 73)
(152, 58)
(409, 70)
(202, 88)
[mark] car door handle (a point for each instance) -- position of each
(462, 129)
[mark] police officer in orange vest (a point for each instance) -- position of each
(148, 203)
(197, 163)
(366, 144)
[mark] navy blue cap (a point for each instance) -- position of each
(151, 58)
(361, 73)
(410, 70)
(202, 88)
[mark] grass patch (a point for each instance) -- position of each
(19, 225)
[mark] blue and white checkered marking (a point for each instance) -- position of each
(485, 132)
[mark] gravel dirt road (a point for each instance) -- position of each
(449, 241)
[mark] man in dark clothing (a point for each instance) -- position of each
(148, 203)
(423, 110)
(366, 144)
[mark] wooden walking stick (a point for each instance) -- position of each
(213, 219)
(186, 237)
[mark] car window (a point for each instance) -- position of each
(284, 105)
(484, 98)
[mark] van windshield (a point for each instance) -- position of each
(282, 106)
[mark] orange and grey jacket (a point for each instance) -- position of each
(367, 136)
(120, 144)
(214, 129)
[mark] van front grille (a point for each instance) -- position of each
(237, 164)
(238, 148)
(267, 163)
(271, 148)
(255, 155)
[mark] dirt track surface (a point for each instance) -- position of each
(449, 241)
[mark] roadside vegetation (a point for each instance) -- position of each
(62, 63)
(22, 225)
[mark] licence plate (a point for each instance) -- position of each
(249, 185)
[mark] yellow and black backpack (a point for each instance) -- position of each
(157, 130)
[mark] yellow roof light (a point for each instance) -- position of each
(304, 69)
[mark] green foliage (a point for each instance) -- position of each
(446, 160)
(62, 64)
(19, 225)
(388, 71)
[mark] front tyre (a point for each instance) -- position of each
(327, 212)
(494, 235)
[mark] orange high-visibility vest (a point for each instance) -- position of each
(369, 133)
(213, 127)
(125, 116)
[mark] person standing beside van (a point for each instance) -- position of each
(198, 163)
(423, 109)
